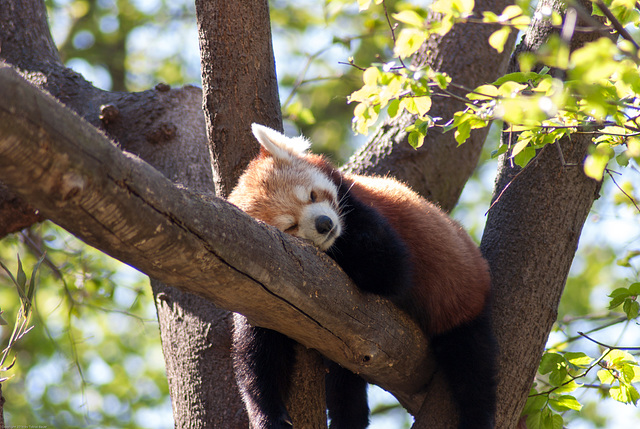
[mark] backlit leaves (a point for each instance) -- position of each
(620, 371)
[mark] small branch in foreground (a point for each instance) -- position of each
(606, 345)
(615, 23)
(633, 201)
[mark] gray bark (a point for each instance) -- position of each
(530, 240)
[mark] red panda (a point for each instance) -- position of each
(391, 242)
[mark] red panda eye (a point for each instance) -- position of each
(291, 228)
(313, 197)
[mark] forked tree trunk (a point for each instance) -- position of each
(536, 222)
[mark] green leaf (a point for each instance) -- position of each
(546, 419)
(510, 12)
(501, 149)
(416, 139)
(551, 362)
(409, 17)
(442, 80)
(408, 42)
(597, 161)
(621, 291)
(393, 108)
(578, 359)
(21, 277)
(616, 301)
(520, 77)
(483, 92)
(519, 146)
(626, 394)
(423, 104)
(565, 403)
(370, 76)
(499, 38)
(523, 158)
(463, 132)
(490, 17)
(32, 282)
(631, 308)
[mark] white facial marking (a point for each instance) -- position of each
(320, 182)
(302, 194)
(307, 224)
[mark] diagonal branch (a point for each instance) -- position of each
(202, 245)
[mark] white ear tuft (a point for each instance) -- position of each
(279, 145)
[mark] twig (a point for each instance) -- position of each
(300, 80)
(607, 345)
(392, 28)
(352, 64)
(615, 23)
(575, 377)
(633, 201)
(513, 180)
(617, 320)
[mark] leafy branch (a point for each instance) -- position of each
(539, 106)
(23, 318)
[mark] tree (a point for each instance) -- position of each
(195, 244)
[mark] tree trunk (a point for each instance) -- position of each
(239, 90)
(530, 240)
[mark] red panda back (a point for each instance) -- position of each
(451, 278)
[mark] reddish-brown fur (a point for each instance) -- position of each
(451, 278)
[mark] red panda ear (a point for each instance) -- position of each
(278, 145)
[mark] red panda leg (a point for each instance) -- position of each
(467, 355)
(262, 360)
(369, 250)
(346, 398)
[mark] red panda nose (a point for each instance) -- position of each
(324, 224)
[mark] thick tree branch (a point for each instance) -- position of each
(126, 208)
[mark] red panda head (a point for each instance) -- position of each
(290, 189)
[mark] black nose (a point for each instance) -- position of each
(324, 224)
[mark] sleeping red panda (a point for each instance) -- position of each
(391, 242)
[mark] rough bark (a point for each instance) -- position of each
(238, 81)
(238, 91)
(530, 240)
(440, 168)
(121, 205)
(166, 128)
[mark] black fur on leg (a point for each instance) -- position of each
(346, 398)
(262, 360)
(467, 354)
(369, 250)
